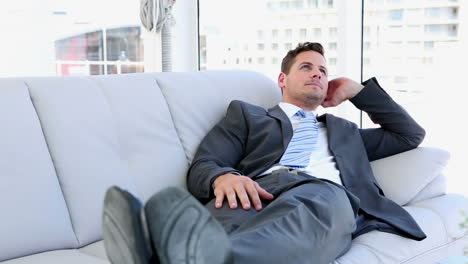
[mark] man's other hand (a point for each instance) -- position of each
(237, 186)
(340, 90)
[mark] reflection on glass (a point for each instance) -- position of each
(132, 68)
(412, 50)
(123, 47)
(124, 44)
(88, 46)
(267, 30)
(111, 69)
(96, 69)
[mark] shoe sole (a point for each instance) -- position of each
(124, 237)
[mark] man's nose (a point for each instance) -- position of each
(315, 73)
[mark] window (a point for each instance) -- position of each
(84, 54)
(434, 12)
(66, 38)
(317, 32)
(271, 5)
(396, 14)
(274, 33)
(454, 13)
(312, 3)
(367, 45)
(260, 34)
(428, 45)
(284, 4)
(297, 4)
(313, 20)
(367, 31)
(333, 32)
(302, 33)
(447, 30)
(414, 14)
(408, 61)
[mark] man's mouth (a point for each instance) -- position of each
(314, 84)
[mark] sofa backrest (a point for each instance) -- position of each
(33, 212)
(65, 140)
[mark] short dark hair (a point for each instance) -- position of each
(289, 59)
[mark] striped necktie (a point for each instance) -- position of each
(303, 142)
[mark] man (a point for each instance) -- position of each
(282, 186)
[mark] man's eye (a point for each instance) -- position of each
(305, 67)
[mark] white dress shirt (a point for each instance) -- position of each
(322, 162)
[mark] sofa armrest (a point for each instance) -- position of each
(403, 176)
(435, 188)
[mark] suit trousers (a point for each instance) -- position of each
(308, 221)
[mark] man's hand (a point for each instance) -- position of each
(233, 186)
(340, 90)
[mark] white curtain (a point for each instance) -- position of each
(156, 17)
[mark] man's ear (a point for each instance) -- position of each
(281, 80)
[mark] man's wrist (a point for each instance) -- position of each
(231, 172)
(357, 88)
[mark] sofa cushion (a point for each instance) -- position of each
(34, 216)
(72, 256)
(198, 100)
(80, 131)
(436, 220)
(148, 143)
(404, 175)
(435, 188)
(449, 208)
(95, 249)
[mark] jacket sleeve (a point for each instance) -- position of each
(398, 131)
(218, 153)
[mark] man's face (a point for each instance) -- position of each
(306, 84)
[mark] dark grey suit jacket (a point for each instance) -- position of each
(249, 140)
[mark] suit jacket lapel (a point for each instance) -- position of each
(286, 127)
(332, 131)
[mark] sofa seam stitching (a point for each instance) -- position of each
(436, 213)
(172, 120)
(53, 163)
(370, 250)
(431, 250)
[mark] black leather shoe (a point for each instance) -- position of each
(183, 231)
(125, 236)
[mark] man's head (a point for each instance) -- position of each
(304, 76)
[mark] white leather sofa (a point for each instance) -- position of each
(65, 140)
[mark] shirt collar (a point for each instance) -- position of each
(290, 110)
